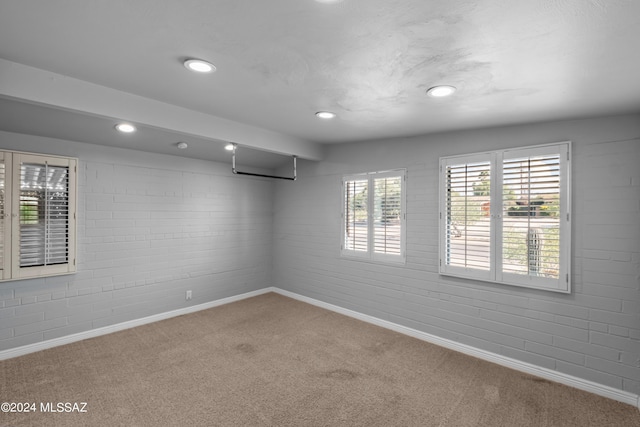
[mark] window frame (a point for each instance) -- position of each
(495, 273)
(10, 221)
(370, 254)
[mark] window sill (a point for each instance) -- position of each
(379, 260)
(558, 288)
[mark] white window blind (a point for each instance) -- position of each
(505, 216)
(387, 213)
(373, 216)
(468, 224)
(356, 200)
(531, 205)
(38, 236)
(44, 214)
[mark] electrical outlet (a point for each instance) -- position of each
(188, 296)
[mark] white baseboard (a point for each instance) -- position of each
(571, 381)
(32, 348)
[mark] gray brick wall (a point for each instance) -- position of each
(153, 226)
(150, 227)
(592, 333)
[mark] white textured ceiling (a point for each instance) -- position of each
(280, 61)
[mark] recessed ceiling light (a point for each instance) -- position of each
(182, 145)
(199, 66)
(125, 127)
(441, 91)
(325, 115)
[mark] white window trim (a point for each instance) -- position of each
(370, 254)
(495, 273)
(11, 222)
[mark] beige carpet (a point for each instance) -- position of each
(274, 361)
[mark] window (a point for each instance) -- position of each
(504, 216)
(37, 215)
(373, 224)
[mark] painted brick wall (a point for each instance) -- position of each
(153, 226)
(150, 227)
(592, 333)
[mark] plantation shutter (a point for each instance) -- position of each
(356, 215)
(535, 234)
(531, 199)
(467, 238)
(37, 215)
(44, 214)
(504, 216)
(373, 223)
(387, 215)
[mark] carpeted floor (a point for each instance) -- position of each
(274, 361)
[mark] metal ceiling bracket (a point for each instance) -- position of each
(237, 172)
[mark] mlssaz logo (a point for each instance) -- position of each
(80, 407)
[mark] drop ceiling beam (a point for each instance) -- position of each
(38, 86)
